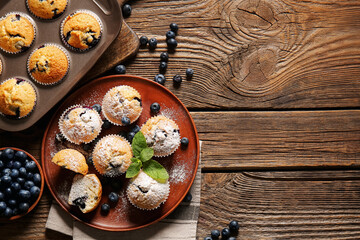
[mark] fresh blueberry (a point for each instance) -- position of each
(155, 107)
(34, 191)
(225, 233)
(1, 164)
(20, 180)
(17, 165)
(234, 226)
(14, 173)
(105, 208)
(15, 211)
(1, 155)
(215, 234)
(29, 176)
(208, 238)
(171, 43)
(8, 192)
(188, 197)
(28, 185)
(8, 154)
(6, 171)
(59, 137)
(177, 79)
(30, 166)
(126, 10)
(113, 197)
(22, 172)
(24, 194)
(120, 69)
(106, 124)
(162, 66)
(125, 121)
(10, 164)
(24, 207)
(97, 107)
(87, 147)
(160, 78)
(8, 212)
(130, 136)
(143, 41)
(174, 27)
(12, 203)
(135, 129)
(20, 156)
(2, 207)
(15, 186)
(152, 43)
(170, 34)
(6, 179)
(184, 142)
(164, 57)
(189, 73)
(2, 196)
(37, 179)
(232, 238)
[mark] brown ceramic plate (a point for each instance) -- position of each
(41, 187)
(182, 165)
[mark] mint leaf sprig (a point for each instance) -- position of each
(143, 159)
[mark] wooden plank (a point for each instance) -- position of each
(289, 139)
(282, 205)
(255, 54)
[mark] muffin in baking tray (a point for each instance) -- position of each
(85, 192)
(162, 134)
(81, 30)
(47, 9)
(17, 32)
(71, 159)
(48, 64)
(17, 98)
(80, 124)
(112, 155)
(146, 193)
(122, 105)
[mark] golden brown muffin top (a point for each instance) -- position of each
(48, 64)
(16, 33)
(71, 159)
(47, 9)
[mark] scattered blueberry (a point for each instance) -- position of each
(177, 79)
(1, 164)
(14, 173)
(171, 43)
(105, 208)
(24, 194)
(152, 43)
(170, 34)
(215, 234)
(29, 176)
(225, 233)
(120, 69)
(2, 196)
(113, 197)
(22, 172)
(125, 121)
(160, 79)
(24, 207)
(8, 154)
(162, 66)
(20, 156)
(6, 179)
(184, 141)
(155, 107)
(106, 124)
(87, 147)
(174, 27)
(130, 136)
(8, 212)
(135, 129)
(143, 41)
(28, 185)
(126, 10)
(17, 165)
(59, 137)
(164, 57)
(208, 238)
(15, 186)
(89, 160)
(30, 166)
(189, 73)
(234, 226)
(12, 203)
(2, 207)
(188, 197)
(34, 191)
(20, 180)
(97, 107)
(6, 171)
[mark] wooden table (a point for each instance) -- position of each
(276, 100)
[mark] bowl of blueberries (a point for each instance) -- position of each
(21, 183)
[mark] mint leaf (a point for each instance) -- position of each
(156, 171)
(135, 160)
(138, 144)
(133, 169)
(146, 154)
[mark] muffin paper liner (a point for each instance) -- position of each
(107, 118)
(63, 38)
(63, 131)
(45, 45)
(48, 19)
(34, 27)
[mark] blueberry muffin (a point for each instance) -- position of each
(71, 159)
(162, 134)
(80, 124)
(146, 193)
(17, 32)
(122, 102)
(17, 98)
(48, 64)
(47, 9)
(112, 155)
(81, 30)
(85, 192)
